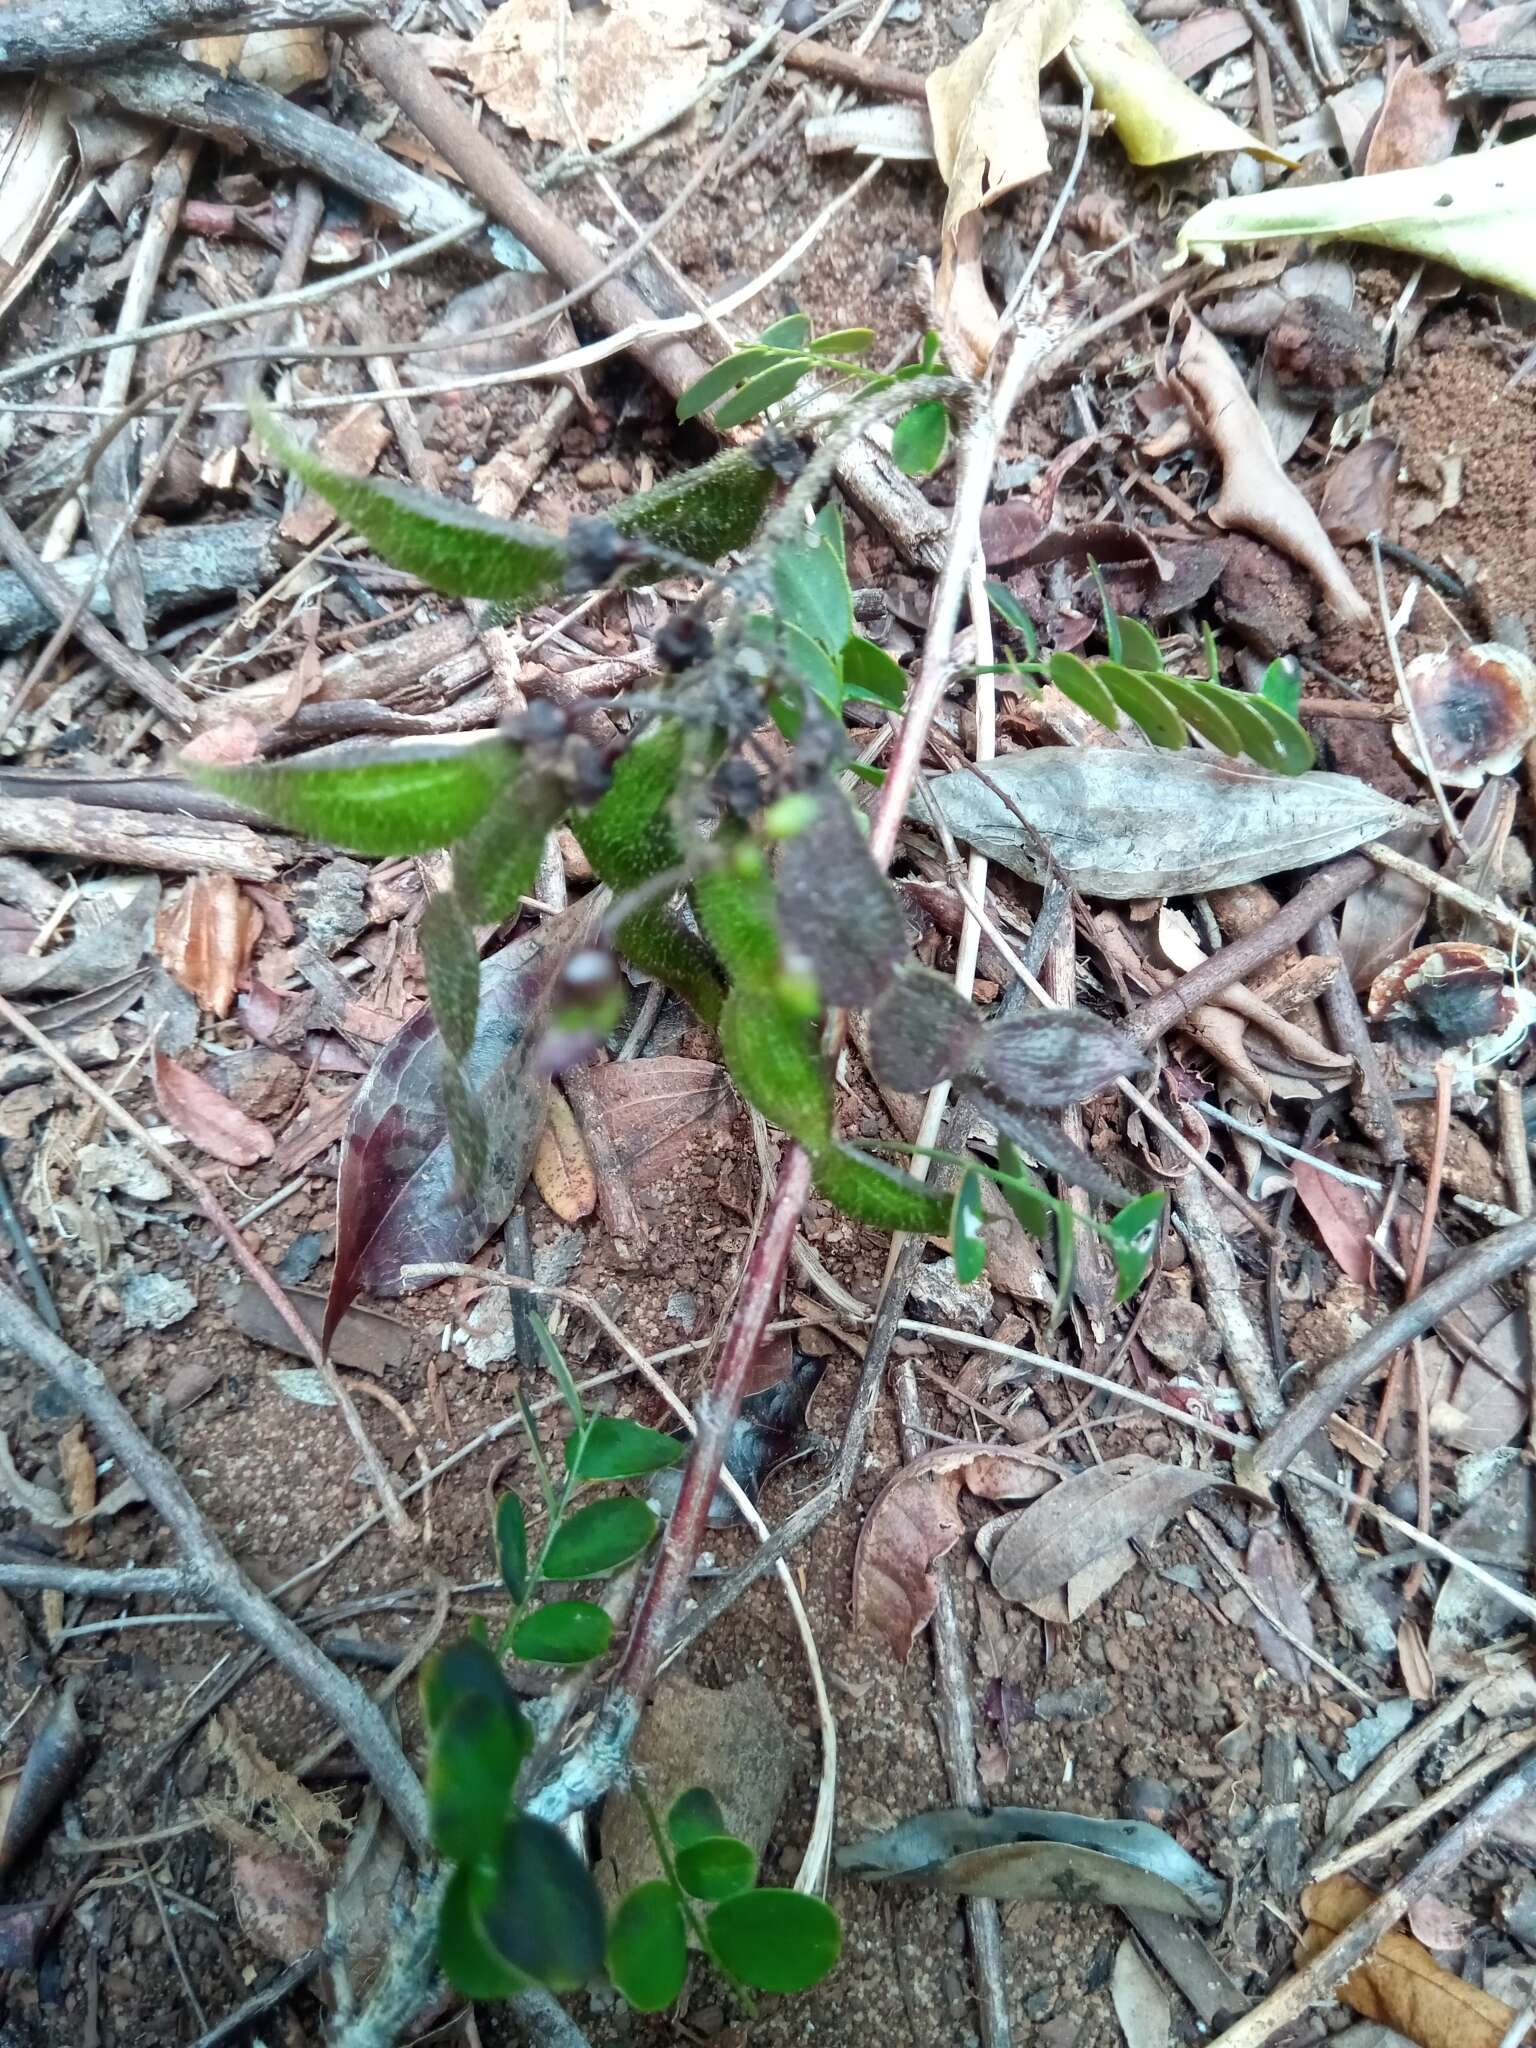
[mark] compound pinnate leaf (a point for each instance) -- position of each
(1282, 686)
(967, 1243)
(541, 1912)
(920, 437)
(758, 393)
(922, 1031)
(1054, 1057)
(793, 331)
(1075, 679)
(720, 378)
(371, 799)
(563, 1632)
(835, 907)
(452, 963)
(1202, 711)
(694, 1816)
(776, 1940)
(1138, 645)
(468, 1961)
(599, 1539)
(612, 1447)
(512, 1545)
(844, 341)
(398, 1199)
(477, 1751)
(1142, 701)
(1133, 1234)
(717, 1867)
(872, 1192)
(648, 1946)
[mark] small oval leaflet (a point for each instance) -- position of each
(648, 1946)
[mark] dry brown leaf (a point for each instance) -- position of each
(1343, 1215)
(1358, 491)
(1256, 494)
(1413, 1662)
(285, 1811)
(282, 59)
(209, 1119)
(562, 1168)
(650, 1107)
(1271, 1568)
(626, 65)
(1078, 1521)
(205, 937)
(354, 443)
(1204, 39)
(77, 1468)
(1439, 1925)
(1400, 1983)
(279, 1902)
(1417, 123)
(56, 1754)
(915, 1519)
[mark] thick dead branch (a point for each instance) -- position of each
(141, 839)
(189, 566)
(40, 34)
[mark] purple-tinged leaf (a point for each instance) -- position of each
(922, 1031)
(835, 907)
(1054, 1057)
(397, 1199)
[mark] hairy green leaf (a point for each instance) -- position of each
(835, 907)
(776, 1940)
(872, 1192)
(773, 1059)
(922, 1031)
(598, 1539)
(703, 512)
(920, 437)
(563, 1632)
(694, 1816)
(452, 963)
(368, 798)
(613, 1447)
(716, 1867)
(648, 1947)
(541, 1911)
(1053, 1057)
(496, 862)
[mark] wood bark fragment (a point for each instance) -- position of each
(189, 566)
(40, 33)
(1281, 1815)
(141, 839)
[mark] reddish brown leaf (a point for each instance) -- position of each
(915, 1519)
(1085, 1516)
(1358, 491)
(209, 1119)
(1193, 46)
(650, 1106)
(279, 1903)
(1343, 1216)
(77, 1468)
(1271, 1566)
(206, 937)
(1417, 124)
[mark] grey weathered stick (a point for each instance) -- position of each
(1492, 74)
(55, 596)
(1484, 1265)
(40, 33)
(1375, 1111)
(191, 565)
(1281, 1816)
(243, 380)
(82, 1581)
(168, 844)
(1247, 1354)
(246, 116)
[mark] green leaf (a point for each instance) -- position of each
(1294, 750)
(828, 527)
(450, 546)
(1251, 717)
(466, 1958)
(793, 649)
(1202, 711)
(920, 437)
(1138, 645)
(758, 393)
(612, 1447)
(1282, 685)
(776, 1940)
(1066, 1259)
(703, 512)
(475, 1758)
(1133, 1235)
(512, 1545)
(1075, 679)
(371, 799)
(541, 1912)
(870, 1191)
(869, 672)
(563, 1632)
(1034, 1208)
(463, 1670)
(1111, 616)
(844, 341)
(930, 356)
(496, 862)
(1012, 613)
(793, 331)
(599, 1539)
(719, 379)
(717, 1867)
(966, 1241)
(736, 906)
(648, 1946)
(773, 1059)
(694, 1816)
(810, 584)
(452, 963)
(1139, 698)
(555, 1365)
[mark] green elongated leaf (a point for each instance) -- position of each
(930, 355)
(1140, 699)
(452, 963)
(469, 1135)
(448, 545)
(658, 942)
(598, 1539)
(717, 1867)
(497, 860)
(648, 1947)
(460, 1671)
(1282, 686)
(556, 1367)
(1034, 1208)
(758, 393)
(703, 512)
(736, 906)
(1133, 1237)
(612, 1447)
(811, 586)
(371, 799)
(1075, 679)
(774, 1061)
(1066, 1260)
(468, 1961)
(563, 1632)
(512, 1545)
(540, 1911)
(1202, 711)
(719, 379)
(776, 1940)
(920, 437)
(694, 1816)
(869, 672)
(793, 331)
(1261, 742)
(1012, 613)
(475, 1759)
(1295, 749)
(966, 1242)
(828, 527)
(844, 341)
(872, 1192)
(1138, 646)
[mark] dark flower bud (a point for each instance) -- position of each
(683, 642)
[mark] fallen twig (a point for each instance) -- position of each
(40, 34)
(1375, 1111)
(1515, 1152)
(243, 379)
(141, 838)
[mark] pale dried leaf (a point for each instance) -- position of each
(1256, 495)
(77, 1468)
(1193, 46)
(1085, 1516)
(279, 1902)
(626, 65)
(650, 1107)
(282, 59)
(1085, 1589)
(1417, 123)
(1440, 1925)
(205, 937)
(1400, 1983)
(1158, 119)
(286, 1811)
(197, 1109)
(562, 1167)
(1142, 2005)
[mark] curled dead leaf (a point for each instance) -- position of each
(1400, 1983)
(205, 937)
(1084, 1517)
